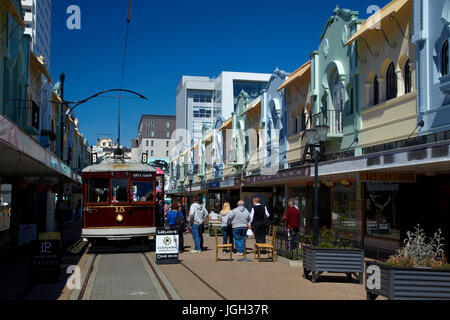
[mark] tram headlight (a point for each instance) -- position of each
(119, 218)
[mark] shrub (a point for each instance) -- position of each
(418, 252)
(330, 239)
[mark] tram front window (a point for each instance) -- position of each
(98, 190)
(143, 191)
(119, 190)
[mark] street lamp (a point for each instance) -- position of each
(316, 140)
(191, 180)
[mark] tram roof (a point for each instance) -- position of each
(107, 166)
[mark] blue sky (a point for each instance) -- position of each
(168, 39)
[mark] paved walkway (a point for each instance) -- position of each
(199, 277)
(122, 277)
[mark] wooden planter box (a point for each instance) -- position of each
(410, 283)
(318, 261)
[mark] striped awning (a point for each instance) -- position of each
(372, 22)
(297, 74)
(9, 6)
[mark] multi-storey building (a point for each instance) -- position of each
(155, 137)
(37, 19)
(202, 100)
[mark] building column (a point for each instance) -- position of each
(382, 89)
(50, 218)
(400, 83)
(368, 101)
(360, 214)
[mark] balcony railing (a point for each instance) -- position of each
(332, 118)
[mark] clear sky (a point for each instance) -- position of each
(168, 39)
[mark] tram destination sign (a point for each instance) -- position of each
(142, 175)
(167, 243)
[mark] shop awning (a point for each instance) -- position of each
(297, 74)
(9, 6)
(253, 105)
(207, 138)
(226, 124)
(371, 23)
(40, 65)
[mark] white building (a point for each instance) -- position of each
(201, 100)
(38, 23)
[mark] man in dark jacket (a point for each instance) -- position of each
(257, 220)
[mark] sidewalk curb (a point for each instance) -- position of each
(173, 292)
(84, 264)
(90, 285)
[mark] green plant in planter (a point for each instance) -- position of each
(330, 239)
(418, 252)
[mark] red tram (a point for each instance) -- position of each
(120, 200)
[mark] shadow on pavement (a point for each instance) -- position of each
(15, 269)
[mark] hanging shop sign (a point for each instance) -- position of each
(410, 177)
(167, 244)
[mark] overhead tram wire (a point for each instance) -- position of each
(123, 68)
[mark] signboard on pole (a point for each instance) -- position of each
(167, 246)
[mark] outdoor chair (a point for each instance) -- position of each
(222, 246)
(269, 247)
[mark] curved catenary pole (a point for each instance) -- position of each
(100, 93)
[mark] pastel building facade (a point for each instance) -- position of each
(431, 36)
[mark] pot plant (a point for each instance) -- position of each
(334, 254)
(419, 270)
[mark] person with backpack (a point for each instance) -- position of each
(176, 221)
(197, 216)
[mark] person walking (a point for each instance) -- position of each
(227, 232)
(197, 216)
(292, 224)
(257, 220)
(239, 219)
(175, 223)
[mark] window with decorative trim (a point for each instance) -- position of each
(391, 83)
(444, 59)
(376, 91)
(408, 78)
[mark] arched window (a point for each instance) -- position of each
(444, 59)
(391, 83)
(408, 77)
(376, 91)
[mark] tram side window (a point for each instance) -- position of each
(119, 190)
(143, 191)
(98, 190)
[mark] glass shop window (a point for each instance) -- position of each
(98, 190)
(343, 215)
(119, 190)
(382, 212)
(143, 191)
